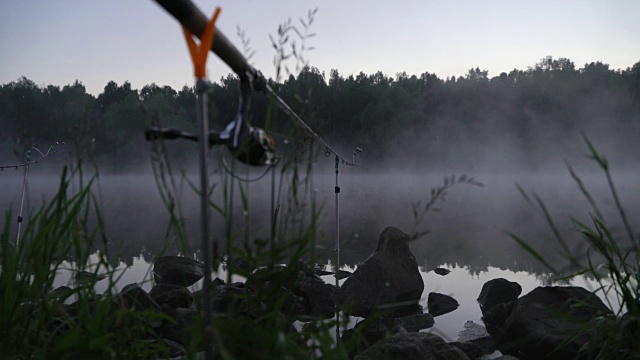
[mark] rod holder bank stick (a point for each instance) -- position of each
(199, 58)
(337, 190)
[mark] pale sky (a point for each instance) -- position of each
(59, 41)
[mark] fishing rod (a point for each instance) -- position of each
(190, 16)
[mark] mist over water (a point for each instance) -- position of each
(468, 231)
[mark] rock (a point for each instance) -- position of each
(87, 277)
(307, 296)
(497, 291)
(441, 271)
(388, 278)
(177, 270)
(134, 296)
(495, 318)
(172, 295)
(471, 332)
(415, 322)
(317, 296)
(179, 328)
(60, 294)
(440, 304)
(343, 274)
(322, 272)
(413, 346)
(477, 335)
(234, 298)
(472, 350)
(366, 333)
(545, 323)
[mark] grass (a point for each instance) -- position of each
(33, 324)
(612, 260)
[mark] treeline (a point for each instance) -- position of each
(455, 117)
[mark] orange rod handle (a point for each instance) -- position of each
(199, 53)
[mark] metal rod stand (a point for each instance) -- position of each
(24, 190)
(201, 113)
(337, 190)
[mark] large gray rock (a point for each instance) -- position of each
(177, 270)
(388, 278)
(545, 323)
(413, 346)
(498, 291)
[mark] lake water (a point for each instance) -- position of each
(467, 236)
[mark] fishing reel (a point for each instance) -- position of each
(248, 144)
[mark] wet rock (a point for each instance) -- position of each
(413, 346)
(545, 323)
(177, 270)
(415, 322)
(172, 295)
(497, 291)
(441, 271)
(440, 304)
(388, 278)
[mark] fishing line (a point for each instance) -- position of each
(285, 107)
(50, 151)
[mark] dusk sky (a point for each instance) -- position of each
(57, 42)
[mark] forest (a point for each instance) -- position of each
(519, 115)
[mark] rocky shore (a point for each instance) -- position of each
(547, 323)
